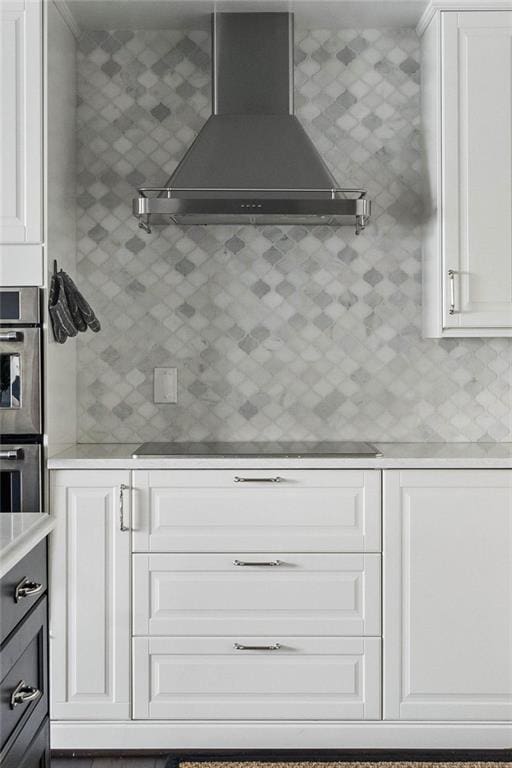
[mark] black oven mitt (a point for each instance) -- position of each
(62, 321)
(81, 311)
(69, 311)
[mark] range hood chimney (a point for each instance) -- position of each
(252, 162)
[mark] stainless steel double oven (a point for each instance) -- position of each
(21, 424)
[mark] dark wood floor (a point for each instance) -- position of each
(108, 762)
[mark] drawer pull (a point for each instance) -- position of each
(261, 564)
(27, 588)
(240, 647)
(237, 479)
(24, 693)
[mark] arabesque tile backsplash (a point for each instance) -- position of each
(277, 332)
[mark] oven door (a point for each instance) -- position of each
(20, 387)
(20, 477)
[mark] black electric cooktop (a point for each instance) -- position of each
(292, 450)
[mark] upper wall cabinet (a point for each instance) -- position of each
(467, 120)
(21, 145)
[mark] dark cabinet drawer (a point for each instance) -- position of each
(34, 754)
(23, 669)
(21, 588)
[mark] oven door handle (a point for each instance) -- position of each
(12, 336)
(16, 454)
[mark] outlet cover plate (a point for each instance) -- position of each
(165, 385)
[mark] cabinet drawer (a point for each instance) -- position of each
(209, 678)
(24, 659)
(29, 576)
(247, 510)
(256, 593)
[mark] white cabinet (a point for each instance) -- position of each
(21, 145)
(448, 595)
(200, 640)
(467, 121)
(90, 595)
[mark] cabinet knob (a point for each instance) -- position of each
(23, 693)
(27, 588)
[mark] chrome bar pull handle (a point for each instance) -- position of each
(16, 454)
(12, 336)
(27, 588)
(451, 277)
(260, 564)
(122, 488)
(240, 647)
(237, 479)
(23, 693)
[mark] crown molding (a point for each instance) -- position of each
(435, 6)
(67, 16)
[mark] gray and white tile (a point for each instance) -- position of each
(277, 332)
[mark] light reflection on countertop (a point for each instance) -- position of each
(393, 456)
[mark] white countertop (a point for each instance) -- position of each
(19, 533)
(394, 456)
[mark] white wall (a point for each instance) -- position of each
(60, 92)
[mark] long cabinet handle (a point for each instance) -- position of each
(13, 454)
(451, 277)
(27, 588)
(260, 564)
(240, 647)
(23, 693)
(122, 488)
(13, 336)
(237, 479)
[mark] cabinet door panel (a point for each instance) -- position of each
(21, 124)
(448, 595)
(477, 195)
(89, 589)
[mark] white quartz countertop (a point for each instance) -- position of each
(19, 533)
(394, 456)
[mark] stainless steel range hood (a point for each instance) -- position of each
(252, 162)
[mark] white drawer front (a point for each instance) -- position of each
(209, 511)
(178, 594)
(208, 679)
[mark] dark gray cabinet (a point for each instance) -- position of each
(24, 725)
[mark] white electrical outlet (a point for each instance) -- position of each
(165, 383)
